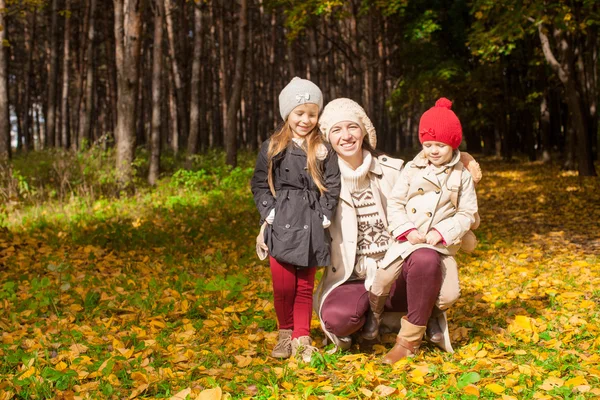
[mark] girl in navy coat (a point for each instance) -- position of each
(296, 185)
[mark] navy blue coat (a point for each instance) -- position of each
(297, 235)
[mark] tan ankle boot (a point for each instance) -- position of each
(407, 344)
(283, 348)
(370, 330)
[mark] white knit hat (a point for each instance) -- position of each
(343, 109)
(297, 92)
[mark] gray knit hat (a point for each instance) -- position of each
(297, 92)
(343, 109)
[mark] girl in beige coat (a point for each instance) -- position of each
(360, 235)
(432, 206)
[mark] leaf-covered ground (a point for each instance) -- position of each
(161, 296)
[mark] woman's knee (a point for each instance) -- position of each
(426, 261)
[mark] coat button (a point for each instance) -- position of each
(333, 269)
(264, 203)
(305, 226)
(420, 190)
(429, 214)
(303, 197)
(287, 170)
(384, 159)
(287, 226)
(413, 211)
(437, 192)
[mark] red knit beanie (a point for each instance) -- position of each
(440, 124)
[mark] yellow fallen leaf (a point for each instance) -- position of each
(366, 392)
(578, 380)
(30, 371)
(551, 383)
(288, 385)
(181, 395)
(494, 387)
(138, 390)
(507, 397)
(61, 366)
(243, 361)
(472, 390)
(383, 390)
(210, 394)
(523, 322)
(139, 377)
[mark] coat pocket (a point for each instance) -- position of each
(289, 244)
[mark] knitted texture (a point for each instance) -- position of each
(299, 91)
(440, 124)
(343, 109)
(373, 239)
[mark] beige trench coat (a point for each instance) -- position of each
(421, 199)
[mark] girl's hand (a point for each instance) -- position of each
(433, 237)
(415, 237)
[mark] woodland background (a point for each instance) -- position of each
(186, 76)
(128, 136)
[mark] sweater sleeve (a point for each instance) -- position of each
(398, 222)
(333, 183)
(263, 198)
(454, 228)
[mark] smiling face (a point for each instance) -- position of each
(437, 153)
(303, 119)
(346, 138)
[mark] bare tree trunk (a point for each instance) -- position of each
(182, 116)
(567, 75)
(5, 152)
(128, 26)
(223, 70)
(27, 115)
(66, 76)
(156, 93)
(174, 121)
(192, 147)
(86, 116)
(234, 101)
(545, 128)
(111, 75)
(52, 78)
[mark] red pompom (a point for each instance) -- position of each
(444, 102)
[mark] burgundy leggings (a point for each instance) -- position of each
(292, 294)
(415, 293)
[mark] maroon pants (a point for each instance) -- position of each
(292, 294)
(415, 293)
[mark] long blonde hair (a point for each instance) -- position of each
(281, 139)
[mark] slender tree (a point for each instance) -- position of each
(128, 30)
(157, 56)
(237, 83)
(51, 137)
(192, 147)
(4, 118)
(66, 77)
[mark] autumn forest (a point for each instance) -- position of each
(128, 136)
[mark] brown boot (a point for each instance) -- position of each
(434, 333)
(407, 344)
(370, 330)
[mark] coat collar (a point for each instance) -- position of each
(421, 162)
(374, 169)
(432, 174)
